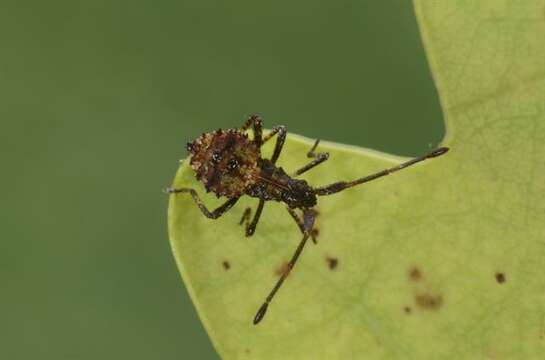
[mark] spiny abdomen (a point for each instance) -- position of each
(225, 161)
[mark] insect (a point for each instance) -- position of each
(230, 165)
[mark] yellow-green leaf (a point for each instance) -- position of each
(442, 260)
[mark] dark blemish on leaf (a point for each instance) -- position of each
(332, 262)
(226, 265)
(429, 301)
(500, 277)
(282, 269)
(407, 309)
(415, 274)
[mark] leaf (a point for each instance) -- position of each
(442, 260)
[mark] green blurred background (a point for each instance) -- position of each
(98, 99)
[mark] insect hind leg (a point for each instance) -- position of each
(255, 121)
(214, 214)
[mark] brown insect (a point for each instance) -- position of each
(229, 164)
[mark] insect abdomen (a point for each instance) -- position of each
(225, 161)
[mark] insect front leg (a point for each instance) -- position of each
(214, 214)
(308, 223)
(282, 132)
(250, 226)
(300, 224)
(318, 159)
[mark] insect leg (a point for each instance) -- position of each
(250, 227)
(342, 185)
(255, 121)
(321, 157)
(299, 223)
(214, 214)
(245, 216)
(281, 131)
(308, 222)
(311, 153)
(318, 159)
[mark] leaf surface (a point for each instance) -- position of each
(442, 260)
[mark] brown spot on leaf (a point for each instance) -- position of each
(226, 265)
(429, 301)
(407, 309)
(284, 267)
(500, 277)
(415, 274)
(332, 262)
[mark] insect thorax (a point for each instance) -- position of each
(225, 161)
(275, 184)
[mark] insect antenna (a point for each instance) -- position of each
(308, 216)
(342, 185)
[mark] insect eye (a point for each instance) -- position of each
(232, 164)
(216, 157)
(190, 147)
